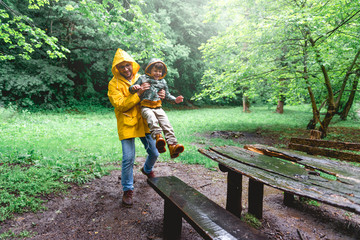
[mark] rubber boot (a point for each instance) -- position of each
(160, 143)
(175, 150)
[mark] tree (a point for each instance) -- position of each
(21, 36)
(91, 31)
(289, 47)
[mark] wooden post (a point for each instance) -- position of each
(234, 190)
(172, 221)
(288, 199)
(315, 134)
(255, 198)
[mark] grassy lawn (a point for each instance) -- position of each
(41, 152)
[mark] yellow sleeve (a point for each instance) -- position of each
(121, 98)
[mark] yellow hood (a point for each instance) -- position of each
(122, 56)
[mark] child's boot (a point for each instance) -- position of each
(160, 143)
(175, 150)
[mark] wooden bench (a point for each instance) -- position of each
(302, 179)
(209, 219)
(346, 151)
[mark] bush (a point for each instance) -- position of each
(35, 82)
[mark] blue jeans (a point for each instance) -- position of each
(128, 151)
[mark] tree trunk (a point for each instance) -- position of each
(280, 107)
(326, 121)
(316, 113)
(348, 73)
(331, 101)
(246, 104)
(350, 101)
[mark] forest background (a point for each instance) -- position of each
(299, 58)
(57, 54)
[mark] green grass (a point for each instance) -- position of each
(251, 220)
(11, 235)
(42, 151)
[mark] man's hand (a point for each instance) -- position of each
(161, 94)
(136, 87)
(143, 87)
(179, 99)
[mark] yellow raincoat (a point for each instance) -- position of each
(130, 123)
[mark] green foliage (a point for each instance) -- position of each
(252, 220)
(184, 30)
(20, 37)
(265, 50)
(35, 82)
(91, 30)
(11, 235)
(309, 202)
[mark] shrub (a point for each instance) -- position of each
(35, 82)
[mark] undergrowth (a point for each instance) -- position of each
(42, 151)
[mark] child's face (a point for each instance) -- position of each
(156, 73)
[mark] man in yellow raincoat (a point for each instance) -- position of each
(130, 123)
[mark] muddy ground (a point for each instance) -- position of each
(93, 211)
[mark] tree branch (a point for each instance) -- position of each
(336, 28)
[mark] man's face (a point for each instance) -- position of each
(125, 69)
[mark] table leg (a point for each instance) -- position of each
(234, 190)
(255, 198)
(288, 199)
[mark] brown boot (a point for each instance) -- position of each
(175, 150)
(160, 143)
(127, 199)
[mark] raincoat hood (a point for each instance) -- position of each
(152, 62)
(122, 56)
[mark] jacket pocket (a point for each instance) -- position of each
(129, 120)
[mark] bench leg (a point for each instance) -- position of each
(288, 199)
(172, 221)
(255, 198)
(234, 190)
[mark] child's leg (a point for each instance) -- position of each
(150, 116)
(166, 126)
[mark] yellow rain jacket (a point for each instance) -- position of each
(130, 123)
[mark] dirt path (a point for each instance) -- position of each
(93, 211)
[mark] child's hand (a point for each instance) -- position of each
(136, 87)
(161, 94)
(142, 88)
(179, 99)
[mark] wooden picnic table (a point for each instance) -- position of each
(299, 174)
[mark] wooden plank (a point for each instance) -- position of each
(346, 156)
(326, 144)
(285, 168)
(286, 184)
(207, 218)
(344, 171)
(260, 161)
